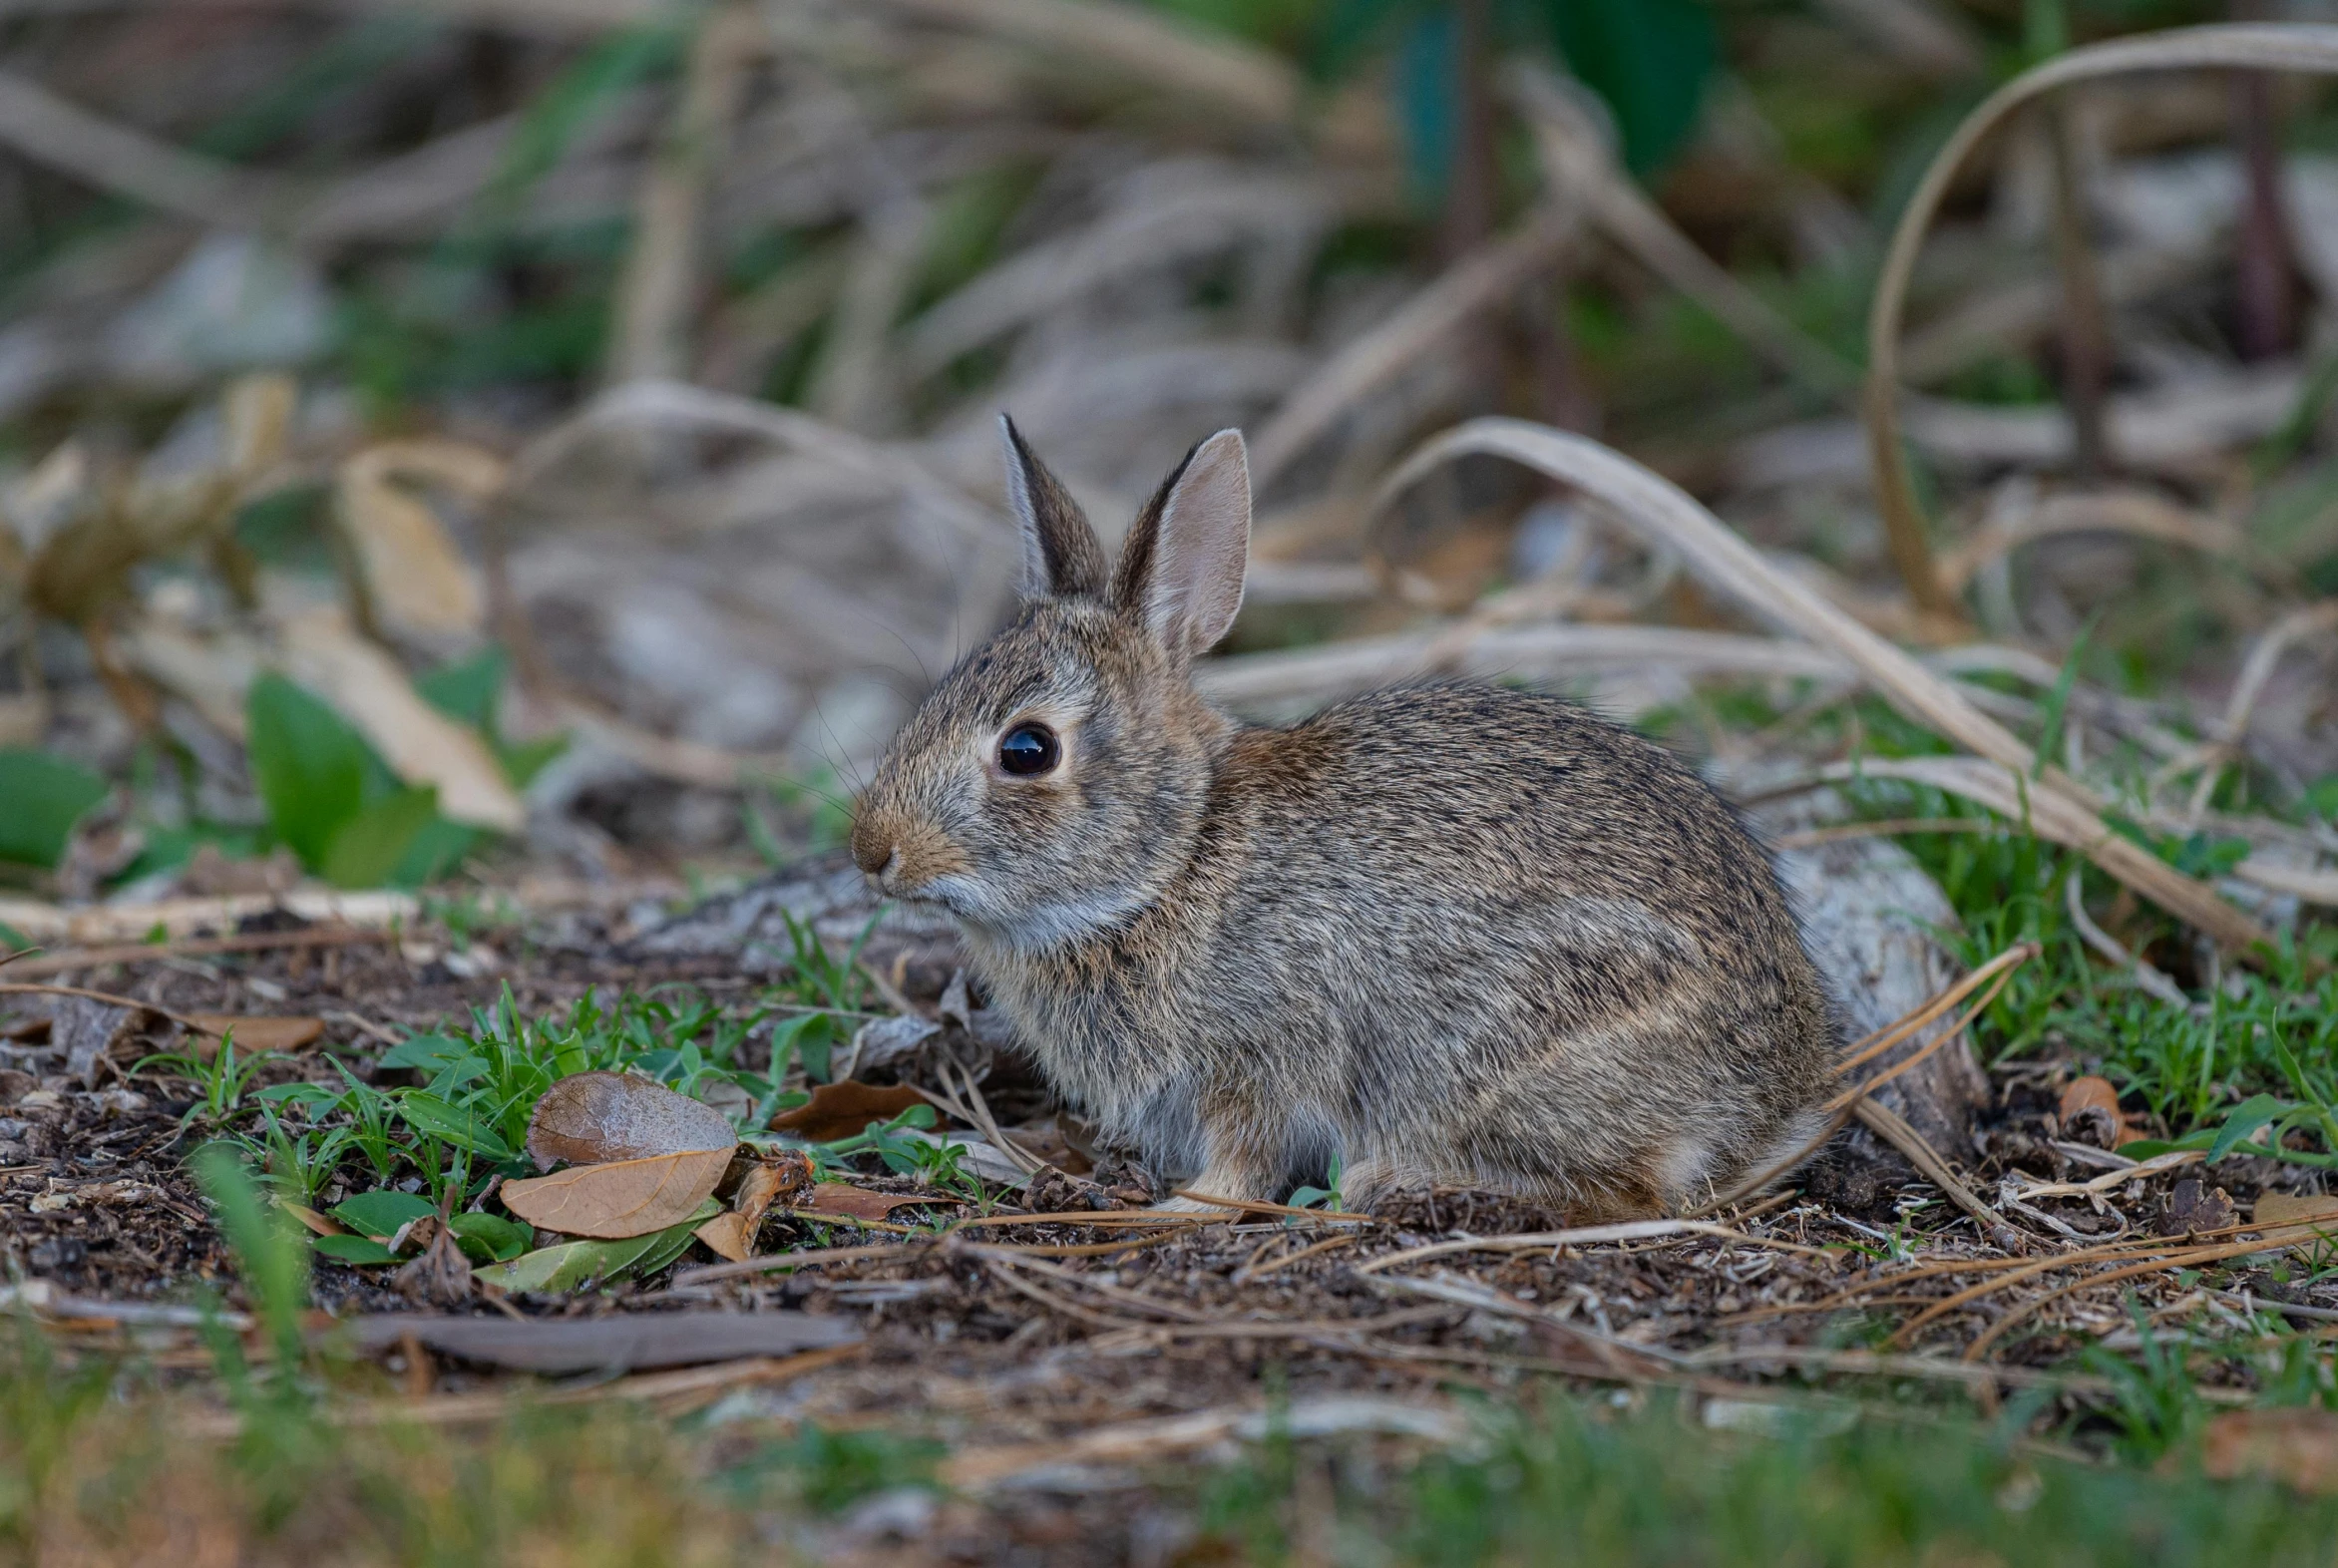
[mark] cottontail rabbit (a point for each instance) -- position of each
(1445, 934)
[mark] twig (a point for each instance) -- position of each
(181, 1019)
(2085, 335)
(2185, 1259)
(1893, 827)
(1894, 1130)
(1868, 1048)
(1586, 1236)
(2146, 975)
(1330, 1244)
(109, 155)
(192, 947)
(456, 1409)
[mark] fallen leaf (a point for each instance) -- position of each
(733, 1234)
(310, 1218)
(256, 1033)
(844, 1109)
(619, 1341)
(439, 1275)
(2195, 1207)
(2297, 1215)
(571, 1265)
(589, 1118)
(370, 688)
(2090, 1109)
(418, 578)
(622, 1198)
(354, 1250)
(2296, 1447)
(844, 1201)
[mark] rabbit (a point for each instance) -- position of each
(1444, 934)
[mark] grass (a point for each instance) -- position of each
(89, 1474)
(1648, 1486)
(409, 1148)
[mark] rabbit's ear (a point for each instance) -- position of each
(1060, 554)
(1181, 569)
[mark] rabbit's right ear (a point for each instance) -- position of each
(1061, 556)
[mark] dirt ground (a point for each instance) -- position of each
(1019, 1333)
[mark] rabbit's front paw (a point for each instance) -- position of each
(1182, 1204)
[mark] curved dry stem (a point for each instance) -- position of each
(1380, 355)
(1139, 42)
(1666, 514)
(2137, 514)
(2241, 46)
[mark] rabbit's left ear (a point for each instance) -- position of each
(1182, 567)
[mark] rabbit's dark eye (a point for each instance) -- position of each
(1029, 749)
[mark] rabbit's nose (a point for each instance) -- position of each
(876, 858)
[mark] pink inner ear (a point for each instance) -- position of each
(1204, 547)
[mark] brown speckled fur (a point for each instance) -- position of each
(1447, 933)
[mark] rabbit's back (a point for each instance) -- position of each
(1465, 934)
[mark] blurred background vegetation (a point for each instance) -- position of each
(561, 430)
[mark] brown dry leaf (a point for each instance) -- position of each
(322, 1225)
(591, 1118)
(844, 1109)
(2090, 1109)
(733, 1234)
(623, 1198)
(844, 1201)
(2317, 1212)
(439, 1275)
(2299, 1446)
(256, 1033)
(421, 744)
(417, 575)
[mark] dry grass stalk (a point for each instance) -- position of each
(1579, 168)
(1724, 563)
(650, 335)
(1889, 1125)
(2258, 46)
(1474, 283)
(1162, 51)
(41, 125)
(2060, 820)
(2140, 514)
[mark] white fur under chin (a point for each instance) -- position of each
(1036, 928)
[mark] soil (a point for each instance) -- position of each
(1033, 1332)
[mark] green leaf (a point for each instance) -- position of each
(354, 1250)
(469, 691)
(1649, 59)
(45, 795)
(573, 1265)
(428, 1114)
(433, 852)
(2245, 1119)
(490, 1238)
(2322, 799)
(310, 765)
(381, 1215)
(524, 759)
(427, 1052)
(367, 848)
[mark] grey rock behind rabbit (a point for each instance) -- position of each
(1448, 933)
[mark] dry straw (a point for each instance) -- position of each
(2243, 46)
(1666, 516)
